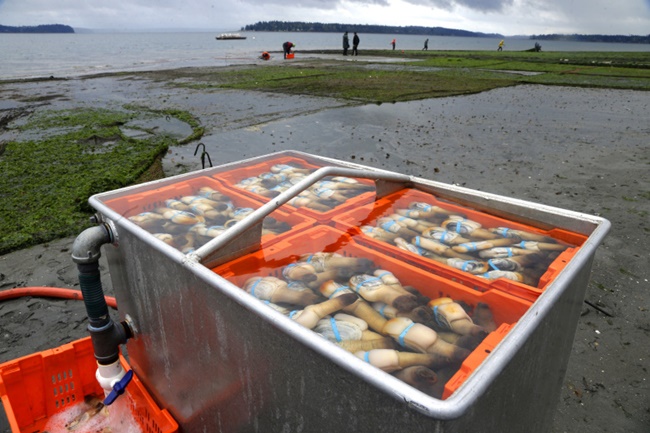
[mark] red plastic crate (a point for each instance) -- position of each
(232, 177)
(36, 387)
(368, 214)
(147, 201)
(506, 309)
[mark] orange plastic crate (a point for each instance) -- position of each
(506, 309)
(36, 387)
(232, 177)
(475, 359)
(368, 214)
(147, 201)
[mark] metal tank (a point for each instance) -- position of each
(221, 361)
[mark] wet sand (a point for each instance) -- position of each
(585, 150)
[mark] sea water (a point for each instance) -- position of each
(69, 55)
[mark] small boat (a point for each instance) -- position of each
(229, 36)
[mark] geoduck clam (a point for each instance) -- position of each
(360, 308)
(450, 316)
(421, 338)
(391, 360)
(423, 379)
(311, 314)
(373, 289)
(277, 291)
(465, 226)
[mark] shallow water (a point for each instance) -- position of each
(66, 55)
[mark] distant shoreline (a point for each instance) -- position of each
(43, 28)
(299, 26)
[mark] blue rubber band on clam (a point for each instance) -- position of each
(335, 329)
(381, 311)
(443, 236)
(492, 265)
(509, 250)
(311, 256)
(344, 289)
(366, 357)
(321, 191)
(382, 274)
(417, 241)
(252, 289)
(523, 244)
(436, 313)
(361, 283)
(241, 210)
(459, 226)
(403, 334)
(463, 267)
(293, 313)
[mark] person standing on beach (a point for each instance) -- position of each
(500, 46)
(346, 43)
(426, 45)
(286, 47)
(355, 44)
(393, 44)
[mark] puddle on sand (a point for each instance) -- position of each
(167, 125)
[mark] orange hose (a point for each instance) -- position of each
(48, 292)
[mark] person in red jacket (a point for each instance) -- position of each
(286, 47)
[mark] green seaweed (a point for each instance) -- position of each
(47, 181)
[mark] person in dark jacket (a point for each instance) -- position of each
(286, 47)
(355, 44)
(346, 43)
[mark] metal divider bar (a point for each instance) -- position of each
(246, 236)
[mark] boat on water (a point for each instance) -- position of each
(230, 36)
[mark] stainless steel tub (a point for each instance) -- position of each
(220, 361)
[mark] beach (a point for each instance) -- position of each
(580, 149)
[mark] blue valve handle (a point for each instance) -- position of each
(118, 388)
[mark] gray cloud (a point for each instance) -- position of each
(503, 16)
(479, 5)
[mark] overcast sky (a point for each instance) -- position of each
(508, 17)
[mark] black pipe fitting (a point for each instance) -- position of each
(106, 335)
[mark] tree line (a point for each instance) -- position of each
(299, 26)
(43, 28)
(630, 39)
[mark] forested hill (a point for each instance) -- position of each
(298, 26)
(629, 39)
(43, 28)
